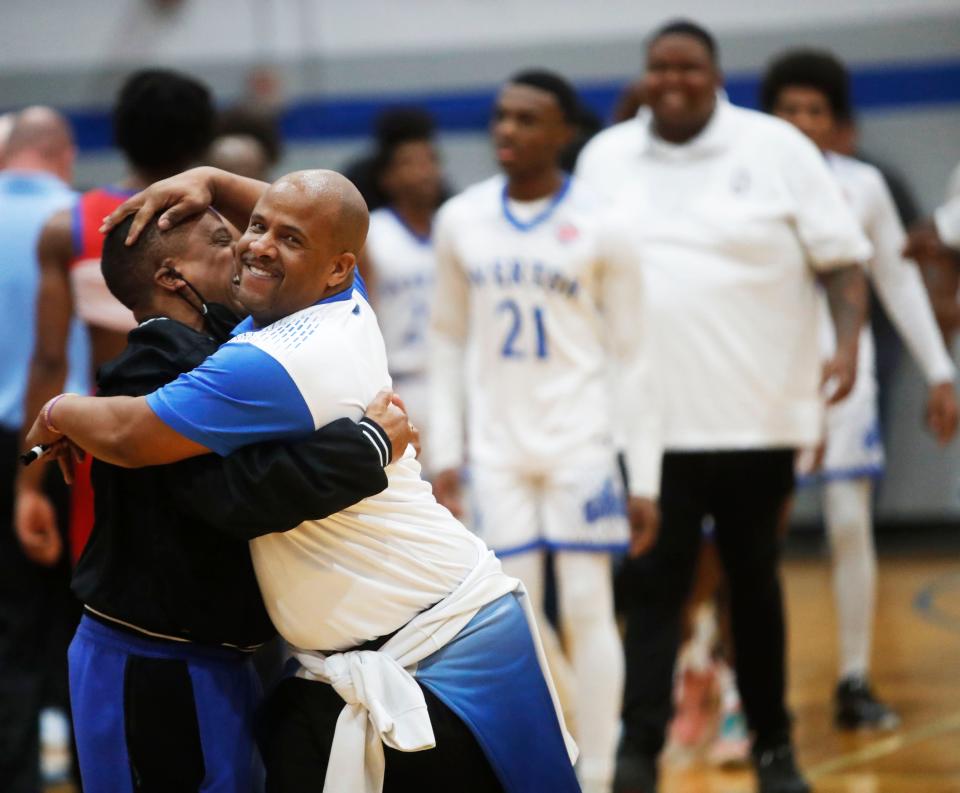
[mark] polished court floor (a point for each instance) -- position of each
(916, 667)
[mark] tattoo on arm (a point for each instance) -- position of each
(847, 296)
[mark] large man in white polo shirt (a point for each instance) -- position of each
(733, 216)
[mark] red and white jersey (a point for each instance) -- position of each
(537, 333)
(92, 301)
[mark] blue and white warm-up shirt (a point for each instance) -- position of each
(363, 572)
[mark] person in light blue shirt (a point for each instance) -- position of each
(38, 166)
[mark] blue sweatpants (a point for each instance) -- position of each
(156, 716)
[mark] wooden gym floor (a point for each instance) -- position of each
(916, 668)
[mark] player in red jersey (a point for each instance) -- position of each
(163, 122)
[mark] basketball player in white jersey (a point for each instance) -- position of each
(407, 631)
(810, 89)
(398, 261)
(537, 347)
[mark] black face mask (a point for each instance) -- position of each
(218, 320)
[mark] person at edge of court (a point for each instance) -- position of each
(398, 260)
(533, 323)
(943, 230)
(34, 183)
(935, 244)
(162, 121)
(734, 217)
(160, 666)
(406, 630)
(810, 89)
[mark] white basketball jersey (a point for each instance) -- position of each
(524, 294)
(896, 280)
(403, 264)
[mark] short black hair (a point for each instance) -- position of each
(551, 82)
(260, 126)
(128, 269)
(163, 120)
(820, 70)
(687, 27)
(392, 129)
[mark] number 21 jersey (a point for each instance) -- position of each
(526, 318)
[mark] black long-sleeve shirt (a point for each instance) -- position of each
(169, 551)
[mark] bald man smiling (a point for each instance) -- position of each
(407, 632)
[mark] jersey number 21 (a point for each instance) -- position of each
(513, 346)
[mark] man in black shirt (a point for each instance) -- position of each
(162, 688)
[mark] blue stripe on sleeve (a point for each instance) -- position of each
(238, 396)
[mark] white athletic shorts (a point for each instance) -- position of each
(854, 443)
(576, 506)
(854, 446)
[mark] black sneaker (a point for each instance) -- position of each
(777, 771)
(857, 708)
(636, 771)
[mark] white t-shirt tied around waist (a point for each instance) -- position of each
(384, 703)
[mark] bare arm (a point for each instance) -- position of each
(847, 297)
(636, 398)
(188, 194)
(48, 367)
(34, 516)
(123, 431)
(941, 277)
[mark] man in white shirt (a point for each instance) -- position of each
(810, 89)
(392, 602)
(536, 346)
(733, 217)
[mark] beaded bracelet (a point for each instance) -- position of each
(48, 409)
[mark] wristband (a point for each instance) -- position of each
(48, 410)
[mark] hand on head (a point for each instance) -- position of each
(181, 196)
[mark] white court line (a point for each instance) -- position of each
(887, 746)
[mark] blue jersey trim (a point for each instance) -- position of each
(517, 549)
(422, 239)
(76, 228)
(587, 547)
(543, 216)
(249, 326)
(238, 396)
(842, 474)
(359, 284)
(552, 545)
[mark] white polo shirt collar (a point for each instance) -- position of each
(713, 139)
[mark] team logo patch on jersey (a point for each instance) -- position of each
(567, 232)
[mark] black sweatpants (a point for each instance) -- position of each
(744, 492)
(296, 732)
(38, 615)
